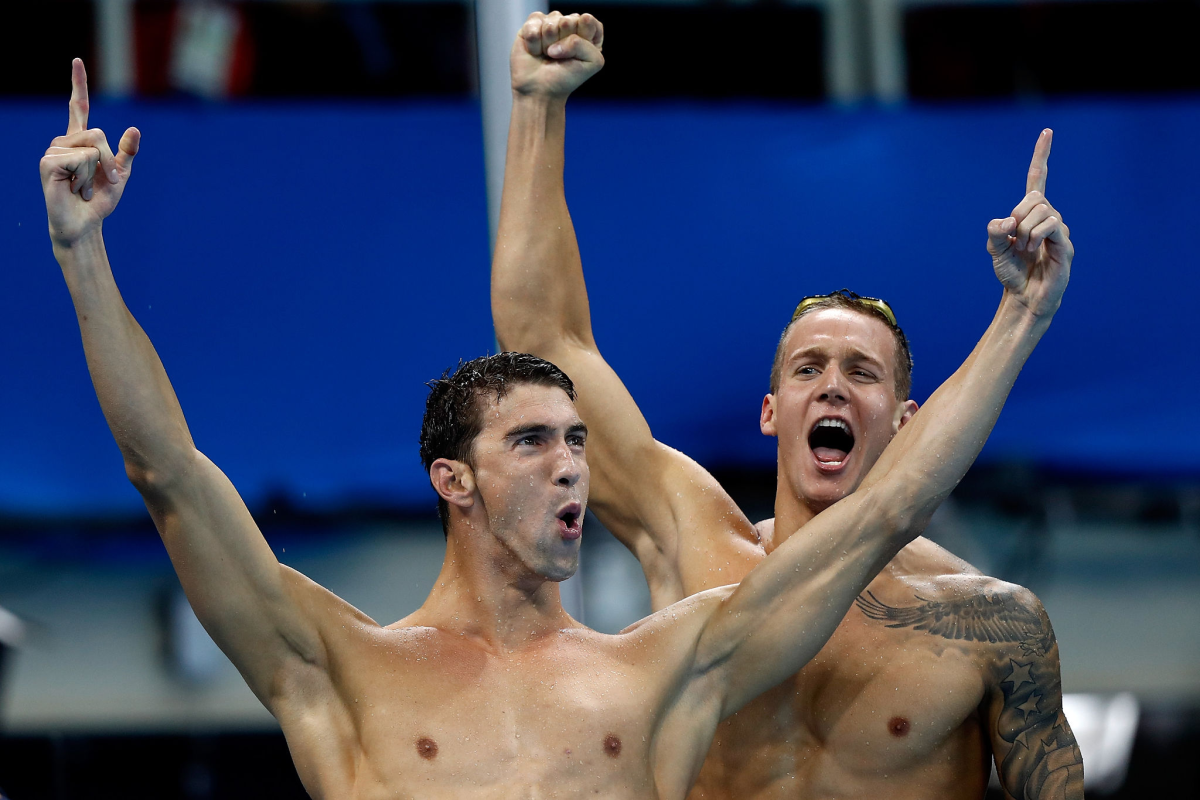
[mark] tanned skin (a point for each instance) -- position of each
(490, 690)
(937, 669)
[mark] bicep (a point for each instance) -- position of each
(236, 586)
(684, 703)
(1037, 757)
(684, 528)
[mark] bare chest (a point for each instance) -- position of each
(876, 705)
(447, 721)
(884, 697)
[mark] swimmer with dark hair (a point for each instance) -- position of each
(490, 689)
(936, 669)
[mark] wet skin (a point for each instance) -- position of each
(433, 707)
(878, 713)
(878, 710)
(886, 708)
(837, 364)
(490, 689)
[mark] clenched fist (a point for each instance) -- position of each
(553, 55)
(81, 177)
(1031, 248)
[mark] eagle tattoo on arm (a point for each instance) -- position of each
(983, 617)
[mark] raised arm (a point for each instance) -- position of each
(647, 494)
(1031, 254)
(246, 600)
(783, 612)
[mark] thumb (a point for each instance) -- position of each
(998, 232)
(131, 142)
(576, 47)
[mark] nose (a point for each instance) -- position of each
(567, 470)
(833, 386)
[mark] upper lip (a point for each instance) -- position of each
(574, 508)
(835, 418)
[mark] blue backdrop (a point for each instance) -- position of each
(304, 268)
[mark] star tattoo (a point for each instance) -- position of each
(1019, 675)
(1030, 706)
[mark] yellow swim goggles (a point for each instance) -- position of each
(870, 302)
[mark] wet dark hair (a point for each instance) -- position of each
(847, 299)
(457, 400)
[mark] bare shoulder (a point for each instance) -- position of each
(953, 600)
(922, 557)
(671, 634)
(718, 544)
(691, 611)
(321, 605)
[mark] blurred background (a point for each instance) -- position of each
(306, 241)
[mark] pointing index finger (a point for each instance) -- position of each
(1038, 167)
(78, 115)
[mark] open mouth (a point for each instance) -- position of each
(570, 521)
(831, 440)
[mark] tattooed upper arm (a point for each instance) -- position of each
(1036, 754)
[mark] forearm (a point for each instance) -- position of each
(131, 384)
(539, 298)
(784, 611)
(930, 455)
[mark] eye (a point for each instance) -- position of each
(863, 374)
(806, 370)
(576, 440)
(528, 440)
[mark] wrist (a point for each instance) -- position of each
(536, 120)
(1019, 318)
(82, 247)
(538, 100)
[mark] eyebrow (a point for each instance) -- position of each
(526, 430)
(816, 351)
(859, 355)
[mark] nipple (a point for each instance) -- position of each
(898, 726)
(612, 745)
(427, 748)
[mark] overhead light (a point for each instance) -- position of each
(12, 632)
(191, 653)
(1104, 727)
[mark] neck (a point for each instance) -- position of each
(485, 593)
(792, 509)
(791, 512)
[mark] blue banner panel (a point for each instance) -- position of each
(302, 270)
(702, 227)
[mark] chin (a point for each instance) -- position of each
(827, 490)
(560, 575)
(560, 569)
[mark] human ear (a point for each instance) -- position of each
(454, 482)
(904, 412)
(766, 419)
